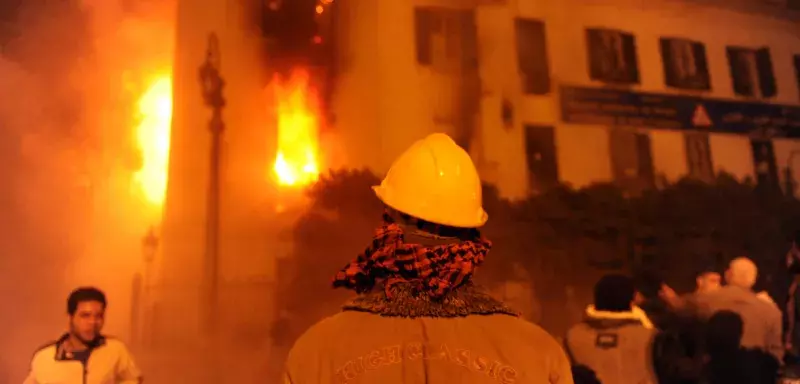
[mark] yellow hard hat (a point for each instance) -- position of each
(436, 181)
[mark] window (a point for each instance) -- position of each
(532, 58)
(698, 156)
(685, 64)
(631, 160)
(447, 46)
(765, 167)
(292, 22)
(797, 69)
(446, 39)
(540, 148)
(612, 56)
(751, 72)
(424, 26)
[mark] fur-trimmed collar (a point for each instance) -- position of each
(635, 314)
(405, 301)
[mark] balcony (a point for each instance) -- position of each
(784, 9)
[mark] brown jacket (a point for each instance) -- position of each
(468, 338)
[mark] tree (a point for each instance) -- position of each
(339, 224)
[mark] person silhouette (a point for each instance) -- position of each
(728, 361)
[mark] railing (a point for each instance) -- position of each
(776, 8)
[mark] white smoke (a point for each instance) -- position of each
(70, 71)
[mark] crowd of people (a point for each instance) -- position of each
(716, 334)
(419, 318)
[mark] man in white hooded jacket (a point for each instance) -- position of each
(615, 339)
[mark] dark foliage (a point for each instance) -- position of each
(338, 226)
(561, 241)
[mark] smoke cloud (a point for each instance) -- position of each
(71, 71)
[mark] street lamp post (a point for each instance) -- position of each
(212, 84)
(149, 250)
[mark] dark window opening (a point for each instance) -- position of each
(797, 70)
(532, 59)
(423, 28)
(751, 72)
(447, 45)
(290, 21)
(765, 166)
(698, 156)
(612, 56)
(631, 160)
(685, 64)
(540, 149)
(445, 39)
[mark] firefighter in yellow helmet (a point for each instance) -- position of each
(418, 317)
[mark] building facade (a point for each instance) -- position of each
(575, 91)
(540, 92)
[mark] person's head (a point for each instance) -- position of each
(708, 280)
(647, 284)
(614, 293)
(435, 181)
(742, 272)
(725, 330)
(86, 307)
(582, 374)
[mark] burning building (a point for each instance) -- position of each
(539, 92)
(246, 138)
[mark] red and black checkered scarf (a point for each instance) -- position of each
(434, 270)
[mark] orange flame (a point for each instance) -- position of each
(297, 160)
(153, 138)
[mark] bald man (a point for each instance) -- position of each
(762, 320)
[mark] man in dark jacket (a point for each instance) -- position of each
(615, 339)
(679, 349)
